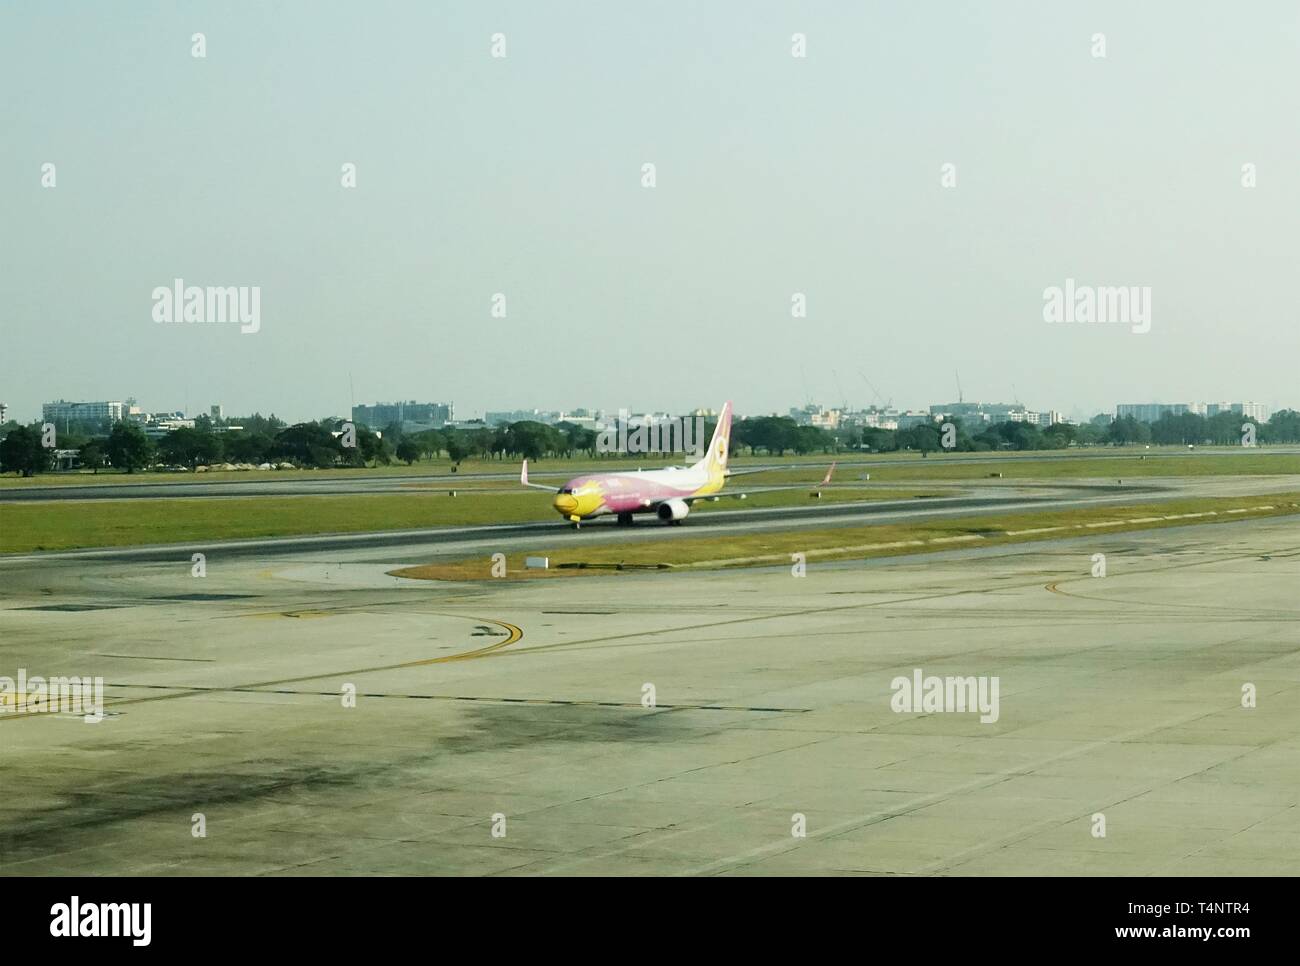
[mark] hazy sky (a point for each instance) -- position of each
(522, 175)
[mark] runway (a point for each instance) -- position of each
(450, 540)
(517, 708)
(428, 544)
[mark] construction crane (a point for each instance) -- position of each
(844, 400)
(875, 392)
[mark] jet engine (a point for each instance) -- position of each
(670, 511)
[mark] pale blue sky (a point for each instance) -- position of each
(522, 176)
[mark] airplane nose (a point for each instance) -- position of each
(566, 503)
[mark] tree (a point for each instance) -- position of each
(456, 448)
(525, 438)
(129, 448)
(1128, 430)
(1060, 435)
(190, 447)
(1091, 433)
(1282, 427)
(962, 441)
(257, 423)
(408, 451)
(21, 452)
(579, 438)
(430, 442)
(877, 440)
(245, 447)
(308, 444)
(1173, 428)
(374, 449)
(809, 439)
(775, 434)
(92, 455)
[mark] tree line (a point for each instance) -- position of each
(332, 442)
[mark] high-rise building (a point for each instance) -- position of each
(411, 416)
(62, 412)
(1151, 412)
(1248, 410)
(974, 414)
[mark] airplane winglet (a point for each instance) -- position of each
(827, 478)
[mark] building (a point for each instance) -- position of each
(4, 413)
(158, 425)
(1152, 412)
(550, 417)
(814, 415)
(411, 416)
(503, 417)
(877, 419)
(914, 417)
(63, 413)
(974, 415)
(1247, 410)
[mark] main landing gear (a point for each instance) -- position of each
(625, 519)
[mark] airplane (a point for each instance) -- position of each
(668, 493)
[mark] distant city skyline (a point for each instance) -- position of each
(432, 410)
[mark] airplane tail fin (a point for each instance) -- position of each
(715, 460)
(827, 478)
(523, 478)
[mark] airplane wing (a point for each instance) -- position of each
(523, 478)
(773, 469)
(716, 496)
(743, 494)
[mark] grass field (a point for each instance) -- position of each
(1054, 467)
(1051, 464)
(66, 525)
(768, 549)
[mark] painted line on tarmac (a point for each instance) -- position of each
(486, 699)
(514, 635)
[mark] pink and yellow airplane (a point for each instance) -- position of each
(667, 493)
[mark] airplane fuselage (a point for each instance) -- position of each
(597, 494)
